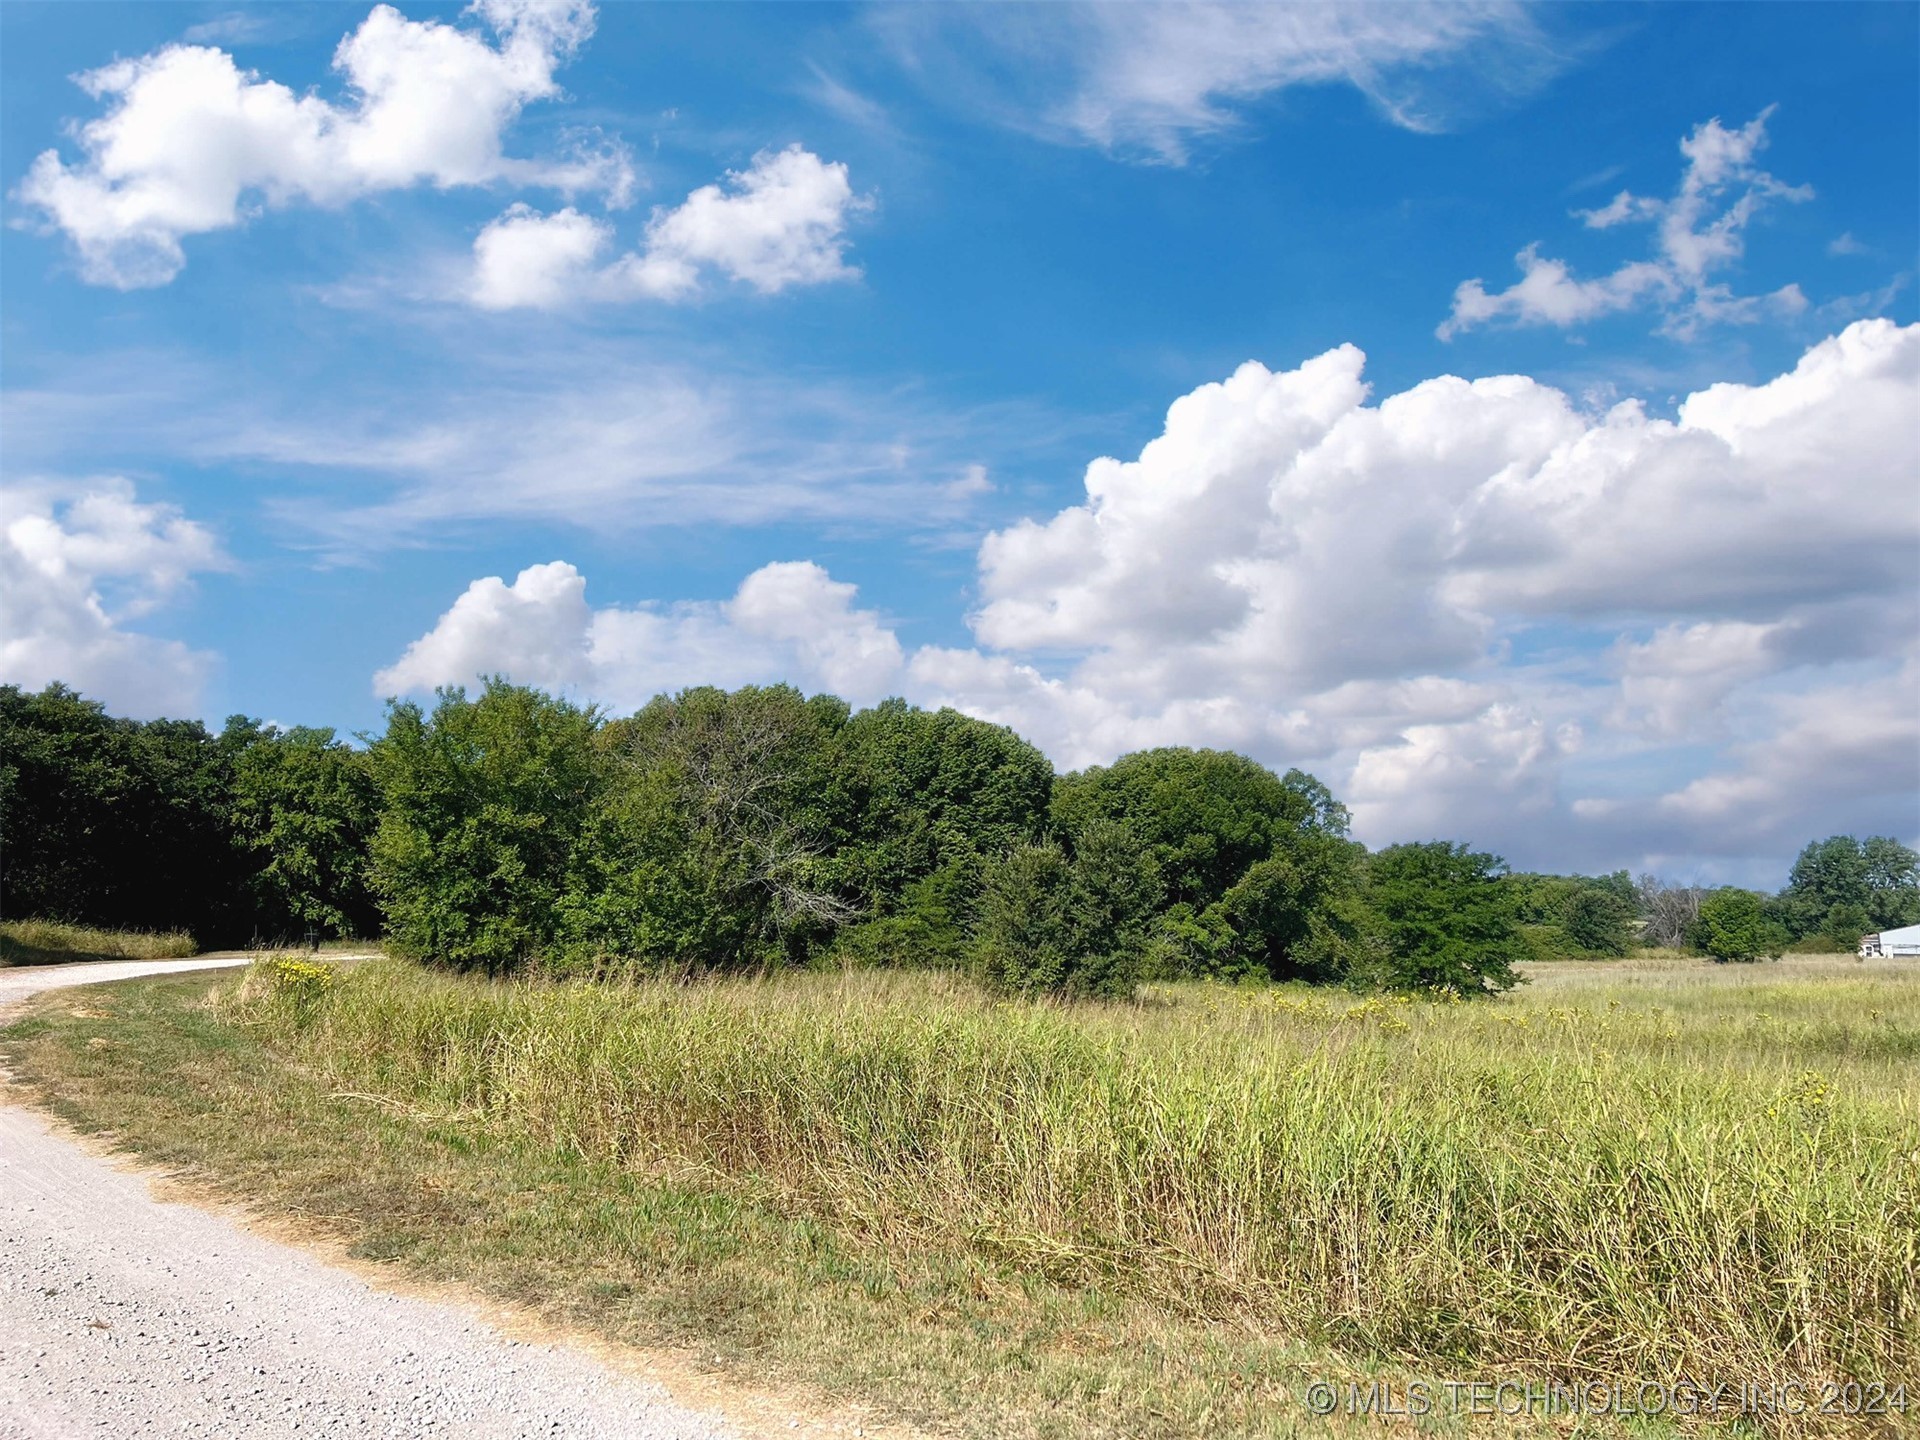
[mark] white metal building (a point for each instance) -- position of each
(1904, 941)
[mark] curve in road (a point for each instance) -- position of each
(125, 1315)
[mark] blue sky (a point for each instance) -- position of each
(350, 351)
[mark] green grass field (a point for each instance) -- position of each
(50, 942)
(1159, 1219)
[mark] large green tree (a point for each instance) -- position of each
(917, 792)
(483, 804)
(112, 822)
(1839, 882)
(1206, 816)
(1733, 925)
(1447, 921)
(302, 810)
(1252, 865)
(710, 845)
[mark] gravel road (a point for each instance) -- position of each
(123, 1315)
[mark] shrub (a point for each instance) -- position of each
(283, 988)
(1202, 946)
(1733, 926)
(928, 929)
(300, 979)
(1079, 924)
(1023, 942)
(1598, 921)
(1816, 944)
(1846, 924)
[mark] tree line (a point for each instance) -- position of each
(739, 831)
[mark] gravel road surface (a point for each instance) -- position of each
(123, 1315)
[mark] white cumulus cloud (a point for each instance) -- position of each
(1473, 608)
(788, 621)
(1676, 682)
(191, 143)
(526, 259)
(1284, 545)
(76, 565)
(534, 630)
(1699, 230)
(781, 222)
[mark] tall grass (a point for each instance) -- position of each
(1647, 1174)
(52, 942)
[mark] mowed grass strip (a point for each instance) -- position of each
(1159, 1219)
(53, 942)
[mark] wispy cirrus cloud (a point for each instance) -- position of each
(556, 429)
(236, 27)
(1150, 81)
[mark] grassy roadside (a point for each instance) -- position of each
(554, 1148)
(52, 942)
(955, 1344)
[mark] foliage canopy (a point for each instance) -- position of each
(758, 828)
(1450, 924)
(1733, 925)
